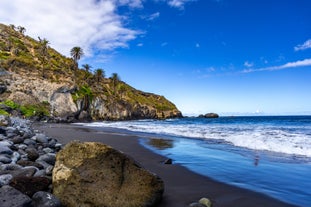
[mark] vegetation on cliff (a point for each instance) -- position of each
(35, 60)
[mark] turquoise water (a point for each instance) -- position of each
(271, 155)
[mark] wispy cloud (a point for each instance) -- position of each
(130, 3)
(248, 64)
(153, 16)
(304, 46)
(179, 4)
(197, 45)
(299, 63)
(89, 24)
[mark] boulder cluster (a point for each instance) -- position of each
(27, 160)
(36, 171)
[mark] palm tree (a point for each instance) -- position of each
(115, 80)
(87, 67)
(12, 26)
(43, 50)
(76, 53)
(99, 74)
(21, 29)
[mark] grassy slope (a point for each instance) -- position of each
(21, 54)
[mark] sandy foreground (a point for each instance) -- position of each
(182, 186)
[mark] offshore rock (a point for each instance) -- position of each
(94, 174)
(209, 115)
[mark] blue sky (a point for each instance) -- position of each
(226, 56)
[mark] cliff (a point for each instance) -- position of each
(34, 82)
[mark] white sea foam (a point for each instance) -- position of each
(286, 140)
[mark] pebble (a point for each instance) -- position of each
(27, 159)
(4, 159)
(206, 202)
(32, 154)
(49, 158)
(10, 197)
(45, 199)
(5, 179)
(196, 204)
(41, 138)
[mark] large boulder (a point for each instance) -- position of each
(94, 174)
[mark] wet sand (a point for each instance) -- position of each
(182, 186)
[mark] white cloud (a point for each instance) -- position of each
(140, 45)
(304, 46)
(88, 24)
(154, 16)
(197, 45)
(248, 64)
(151, 17)
(178, 3)
(130, 3)
(299, 63)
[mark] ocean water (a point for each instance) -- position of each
(271, 154)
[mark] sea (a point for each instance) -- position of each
(266, 154)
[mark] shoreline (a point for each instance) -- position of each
(182, 186)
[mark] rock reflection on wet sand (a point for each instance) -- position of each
(161, 144)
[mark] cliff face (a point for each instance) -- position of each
(30, 78)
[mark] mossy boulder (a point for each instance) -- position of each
(94, 174)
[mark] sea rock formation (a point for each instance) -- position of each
(94, 174)
(209, 115)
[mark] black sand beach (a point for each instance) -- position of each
(182, 186)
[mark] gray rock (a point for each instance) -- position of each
(2, 137)
(49, 158)
(30, 142)
(22, 146)
(43, 163)
(47, 150)
(4, 148)
(15, 157)
(25, 163)
(11, 135)
(168, 162)
(196, 205)
(26, 172)
(2, 131)
(40, 173)
(52, 143)
(32, 154)
(49, 170)
(8, 167)
(30, 185)
(20, 199)
(45, 199)
(5, 179)
(4, 120)
(5, 159)
(41, 138)
(58, 145)
(17, 140)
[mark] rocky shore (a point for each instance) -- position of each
(27, 158)
(33, 166)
